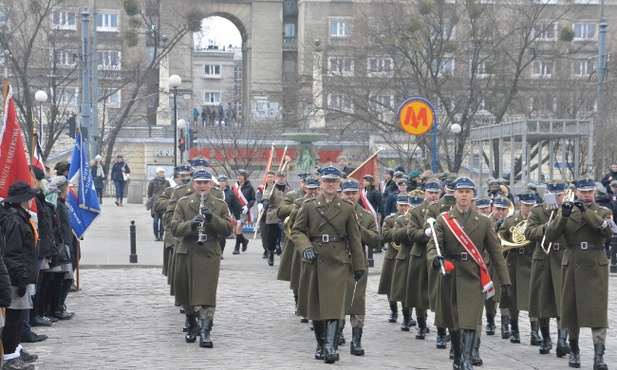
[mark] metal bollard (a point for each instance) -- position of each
(613, 244)
(371, 261)
(132, 233)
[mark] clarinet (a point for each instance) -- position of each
(202, 225)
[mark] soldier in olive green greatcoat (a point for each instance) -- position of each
(461, 293)
(199, 219)
(326, 232)
(585, 227)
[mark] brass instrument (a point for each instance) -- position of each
(569, 197)
(202, 226)
(518, 237)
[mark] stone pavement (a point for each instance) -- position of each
(125, 318)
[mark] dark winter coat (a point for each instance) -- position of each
(232, 202)
(118, 169)
(21, 253)
(45, 215)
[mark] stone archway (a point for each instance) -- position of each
(260, 26)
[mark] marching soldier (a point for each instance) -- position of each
(461, 237)
(484, 206)
(501, 208)
(199, 219)
(519, 252)
(584, 272)
(272, 199)
(545, 288)
(261, 217)
(326, 233)
(389, 258)
(370, 238)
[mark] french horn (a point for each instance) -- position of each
(518, 239)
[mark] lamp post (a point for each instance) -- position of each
(181, 125)
(41, 97)
(455, 129)
(174, 82)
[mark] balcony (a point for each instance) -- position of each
(290, 7)
(290, 43)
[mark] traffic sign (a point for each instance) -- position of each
(416, 116)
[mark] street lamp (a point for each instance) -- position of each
(181, 125)
(174, 82)
(455, 128)
(41, 97)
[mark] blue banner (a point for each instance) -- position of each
(83, 202)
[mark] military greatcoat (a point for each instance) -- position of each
(284, 211)
(460, 300)
(160, 206)
(371, 239)
(197, 266)
(584, 269)
(323, 281)
(389, 258)
(401, 264)
(417, 276)
(545, 288)
(433, 210)
(518, 261)
(178, 192)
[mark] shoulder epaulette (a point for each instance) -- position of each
(308, 200)
(605, 208)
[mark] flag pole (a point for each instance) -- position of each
(35, 138)
(263, 187)
(365, 162)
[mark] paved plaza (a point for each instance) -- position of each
(125, 318)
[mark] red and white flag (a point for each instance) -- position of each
(13, 159)
(37, 154)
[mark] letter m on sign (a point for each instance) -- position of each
(415, 119)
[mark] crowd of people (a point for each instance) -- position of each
(448, 249)
(40, 253)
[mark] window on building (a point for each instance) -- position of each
(340, 66)
(446, 32)
(63, 20)
(289, 29)
(341, 102)
(584, 31)
(483, 69)
(546, 32)
(113, 99)
(109, 59)
(213, 70)
(340, 28)
(381, 103)
(380, 66)
(542, 68)
(68, 97)
(107, 22)
(445, 69)
(546, 2)
(212, 98)
(584, 67)
(585, 1)
(65, 58)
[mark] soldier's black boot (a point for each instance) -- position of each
(204, 336)
(440, 342)
(535, 336)
(319, 327)
(562, 344)
(237, 246)
(455, 341)
(245, 242)
(547, 343)
(421, 331)
(575, 354)
(505, 330)
(515, 337)
(393, 312)
(340, 338)
(271, 258)
(406, 320)
(598, 357)
(191, 329)
(467, 340)
(330, 355)
(356, 342)
(476, 360)
(490, 324)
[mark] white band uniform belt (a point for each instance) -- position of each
(558, 247)
(587, 246)
(325, 238)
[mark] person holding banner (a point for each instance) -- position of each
(245, 193)
(462, 236)
(272, 199)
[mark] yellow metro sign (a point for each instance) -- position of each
(416, 116)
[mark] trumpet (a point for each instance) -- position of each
(202, 226)
(569, 197)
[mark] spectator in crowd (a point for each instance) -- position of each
(609, 177)
(99, 176)
(156, 186)
(119, 173)
(204, 116)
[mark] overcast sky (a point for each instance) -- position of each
(219, 31)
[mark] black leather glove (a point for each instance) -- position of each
(207, 213)
(437, 261)
(196, 221)
(310, 254)
(566, 209)
(580, 205)
(506, 295)
(498, 223)
(265, 203)
(357, 275)
(21, 289)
